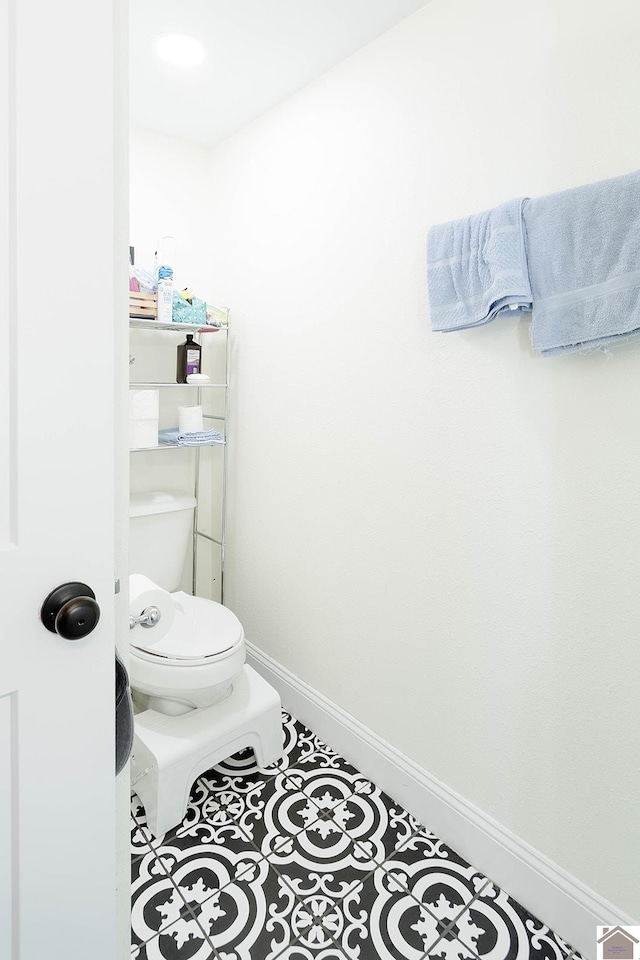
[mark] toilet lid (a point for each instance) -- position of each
(201, 628)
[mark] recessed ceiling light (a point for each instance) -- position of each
(180, 50)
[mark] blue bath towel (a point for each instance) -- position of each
(477, 268)
(204, 438)
(584, 263)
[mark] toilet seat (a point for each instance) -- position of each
(202, 632)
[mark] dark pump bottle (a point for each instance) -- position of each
(188, 359)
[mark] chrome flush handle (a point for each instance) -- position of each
(148, 618)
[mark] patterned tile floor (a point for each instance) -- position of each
(309, 860)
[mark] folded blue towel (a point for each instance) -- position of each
(477, 268)
(204, 438)
(583, 249)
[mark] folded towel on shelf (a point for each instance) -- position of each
(583, 250)
(204, 438)
(477, 268)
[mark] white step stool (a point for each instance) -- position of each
(169, 753)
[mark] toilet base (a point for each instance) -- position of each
(170, 752)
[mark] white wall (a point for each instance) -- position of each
(442, 533)
(168, 181)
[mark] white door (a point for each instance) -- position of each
(57, 887)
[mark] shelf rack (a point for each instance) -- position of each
(146, 324)
(140, 323)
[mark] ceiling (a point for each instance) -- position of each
(257, 53)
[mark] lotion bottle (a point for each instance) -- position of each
(165, 294)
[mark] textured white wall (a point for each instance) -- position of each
(442, 533)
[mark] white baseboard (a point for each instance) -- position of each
(565, 904)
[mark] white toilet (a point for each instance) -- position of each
(197, 700)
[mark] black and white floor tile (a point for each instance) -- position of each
(309, 860)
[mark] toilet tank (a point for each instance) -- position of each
(160, 536)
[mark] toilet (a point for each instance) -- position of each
(197, 701)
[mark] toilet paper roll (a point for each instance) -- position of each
(144, 404)
(145, 593)
(143, 433)
(190, 420)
